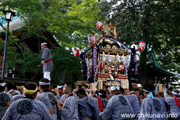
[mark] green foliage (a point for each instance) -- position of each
(70, 21)
(66, 19)
(65, 62)
(31, 12)
(23, 62)
(29, 62)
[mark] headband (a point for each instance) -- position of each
(43, 43)
(150, 95)
(175, 93)
(2, 84)
(59, 86)
(12, 90)
(115, 88)
(44, 83)
(101, 94)
(26, 91)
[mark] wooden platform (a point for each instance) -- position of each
(19, 81)
(23, 81)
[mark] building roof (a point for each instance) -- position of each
(15, 24)
(110, 45)
(153, 68)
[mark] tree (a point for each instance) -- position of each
(68, 20)
(72, 24)
(65, 65)
(26, 65)
(155, 22)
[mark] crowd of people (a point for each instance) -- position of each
(70, 102)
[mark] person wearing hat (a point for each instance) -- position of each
(46, 61)
(152, 108)
(47, 97)
(117, 106)
(4, 99)
(28, 108)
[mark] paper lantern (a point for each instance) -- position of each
(76, 52)
(121, 67)
(142, 45)
(99, 25)
(91, 39)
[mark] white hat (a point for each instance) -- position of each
(44, 43)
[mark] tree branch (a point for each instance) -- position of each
(12, 38)
(3, 26)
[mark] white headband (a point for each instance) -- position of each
(44, 83)
(175, 93)
(43, 43)
(115, 88)
(12, 90)
(96, 94)
(2, 84)
(59, 86)
(99, 93)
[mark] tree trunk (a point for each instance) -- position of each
(146, 28)
(142, 78)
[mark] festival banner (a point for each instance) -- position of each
(95, 62)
